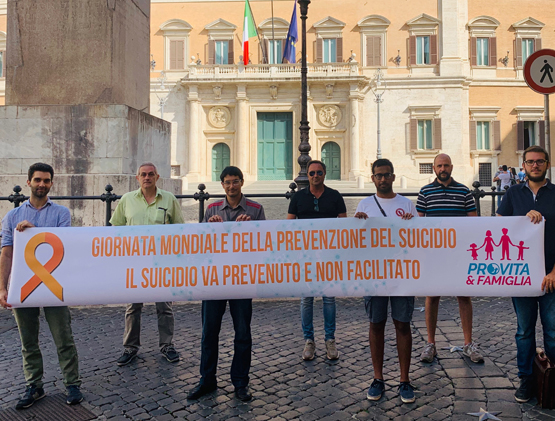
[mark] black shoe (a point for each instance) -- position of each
(526, 390)
(200, 390)
(171, 354)
(242, 393)
(74, 395)
(128, 355)
(32, 394)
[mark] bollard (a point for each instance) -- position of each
(201, 196)
(493, 188)
(360, 182)
(16, 197)
(289, 194)
(108, 198)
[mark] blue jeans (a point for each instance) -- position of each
(212, 313)
(307, 311)
(526, 309)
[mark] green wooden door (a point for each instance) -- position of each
(220, 160)
(331, 156)
(275, 146)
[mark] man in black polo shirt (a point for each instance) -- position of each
(317, 201)
(446, 197)
(536, 199)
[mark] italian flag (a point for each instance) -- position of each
(249, 31)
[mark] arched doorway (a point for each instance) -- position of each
(220, 160)
(331, 156)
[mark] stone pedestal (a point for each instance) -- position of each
(89, 146)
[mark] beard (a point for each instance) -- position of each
(536, 178)
(40, 192)
(444, 176)
(385, 189)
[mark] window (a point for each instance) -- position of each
(427, 168)
(373, 39)
(484, 174)
(177, 54)
(482, 58)
(529, 134)
(423, 50)
(527, 48)
(483, 135)
(275, 51)
(176, 43)
(329, 51)
(221, 52)
(425, 139)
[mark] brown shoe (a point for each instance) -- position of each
(309, 350)
(331, 350)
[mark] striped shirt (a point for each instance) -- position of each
(435, 199)
(245, 206)
(50, 215)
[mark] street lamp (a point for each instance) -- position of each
(162, 99)
(304, 128)
(378, 89)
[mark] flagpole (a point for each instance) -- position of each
(258, 36)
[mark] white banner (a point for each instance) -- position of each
(270, 259)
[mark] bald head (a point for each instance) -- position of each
(443, 168)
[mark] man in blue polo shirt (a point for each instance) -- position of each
(446, 197)
(536, 199)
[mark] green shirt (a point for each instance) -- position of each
(133, 209)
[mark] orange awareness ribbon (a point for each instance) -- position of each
(43, 272)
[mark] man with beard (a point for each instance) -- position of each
(386, 203)
(317, 201)
(234, 207)
(446, 197)
(536, 199)
(39, 211)
(148, 205)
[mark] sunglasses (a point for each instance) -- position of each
(319, 172)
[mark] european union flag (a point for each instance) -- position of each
(289, 51)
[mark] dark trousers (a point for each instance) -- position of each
(212, 313)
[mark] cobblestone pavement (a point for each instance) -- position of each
(284, 387)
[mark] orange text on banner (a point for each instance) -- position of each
(43, 273)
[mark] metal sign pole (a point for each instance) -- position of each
(547, 131)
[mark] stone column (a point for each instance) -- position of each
(353, 123)
(193, 150)
(453, 38)
(242, 139)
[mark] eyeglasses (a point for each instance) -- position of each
(144, 174)
(319, 172)
(231, 182)
(538, 162)
(386, 175)
(316, 208)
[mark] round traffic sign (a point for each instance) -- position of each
(539, 71)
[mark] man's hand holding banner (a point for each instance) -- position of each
(272, 259)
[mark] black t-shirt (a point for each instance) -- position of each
(305, 206)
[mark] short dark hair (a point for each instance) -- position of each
(504, 168)
(231, 170)
(382, 162)
(315, 161)
(40, 166)
(538, 149)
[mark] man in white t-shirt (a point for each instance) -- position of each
(504, 177)
(386, 203)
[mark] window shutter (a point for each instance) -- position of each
(373, 50)
(437, 134)
(211, 51)
(473, 51)
(472, 135)
(369, 50)
(493, 51)
(173, 55)
(377, 51)
(520, 135)
(433, 50)
(518, 52)
(3, 63)
(413, 134)
(537, 44)
(541, 129)
(339, 49)
(180, 56)
(319, 50)
(264, 52)
(496, 135)
(412, 50)
(230, 55)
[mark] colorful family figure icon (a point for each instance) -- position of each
(504, 243)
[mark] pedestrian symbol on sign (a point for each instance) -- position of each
(546, 70)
